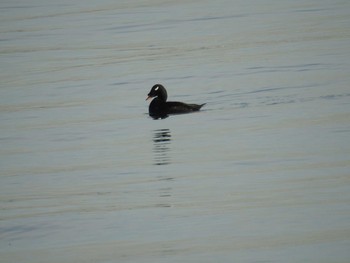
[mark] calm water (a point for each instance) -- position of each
(262, 174)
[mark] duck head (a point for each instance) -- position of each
(158, 91)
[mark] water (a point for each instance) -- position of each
(261, 174)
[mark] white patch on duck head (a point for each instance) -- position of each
(156, 88)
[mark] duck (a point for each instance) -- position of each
(161, 108)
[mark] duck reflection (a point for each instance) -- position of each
(161, 139)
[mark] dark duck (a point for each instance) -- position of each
(161, 108)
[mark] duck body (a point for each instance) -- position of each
(160, 107)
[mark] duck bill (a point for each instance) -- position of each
(149, 97)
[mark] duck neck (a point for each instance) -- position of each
(163, 96)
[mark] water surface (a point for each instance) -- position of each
(261, 174)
